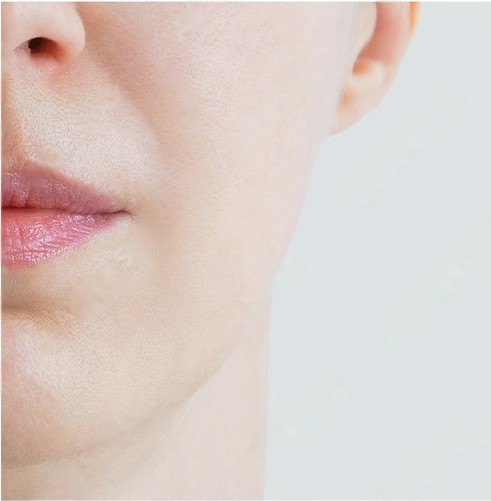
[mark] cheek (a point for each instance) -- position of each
(238, 98)
(239, 134)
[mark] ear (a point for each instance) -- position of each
(380, 40)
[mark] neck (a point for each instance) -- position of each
(213, 449)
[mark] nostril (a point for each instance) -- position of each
(42, 47)
(37, 44)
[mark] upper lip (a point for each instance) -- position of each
(35, 186)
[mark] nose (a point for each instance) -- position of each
(42, 34)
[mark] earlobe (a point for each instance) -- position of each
(376, 61)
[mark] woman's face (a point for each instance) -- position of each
(203, 121)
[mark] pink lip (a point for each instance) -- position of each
(45, 214)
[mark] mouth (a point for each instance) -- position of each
(44, 214)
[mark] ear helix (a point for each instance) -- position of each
(413, 15)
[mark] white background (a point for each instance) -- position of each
(380, 349)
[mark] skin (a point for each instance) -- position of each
(136, 365)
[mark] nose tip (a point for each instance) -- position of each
(41, 30)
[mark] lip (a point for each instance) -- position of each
(44, 214)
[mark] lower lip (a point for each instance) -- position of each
(30, 236)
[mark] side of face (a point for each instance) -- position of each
(205, 119)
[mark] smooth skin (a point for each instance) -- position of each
(136, 366)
